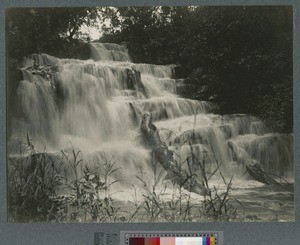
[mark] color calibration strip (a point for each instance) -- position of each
(205, 240)
(166, 238)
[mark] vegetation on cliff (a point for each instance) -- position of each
(239, 57)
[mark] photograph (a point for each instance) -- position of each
(149, 114)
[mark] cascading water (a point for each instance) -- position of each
(96, 106)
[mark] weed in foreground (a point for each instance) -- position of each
(215, 206)
(39, 192)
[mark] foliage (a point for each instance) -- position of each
(163, 200)
(239, 57)
(37, 187)
(33, 181)
(218, 206)
(32, 30)
(91, 198)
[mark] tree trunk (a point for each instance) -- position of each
(164, 156)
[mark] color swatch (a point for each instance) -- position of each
(205, 240)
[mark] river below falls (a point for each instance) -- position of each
(254, 201)
(266, 203)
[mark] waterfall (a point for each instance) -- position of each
(96, 106)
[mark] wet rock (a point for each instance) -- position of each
(134, 81)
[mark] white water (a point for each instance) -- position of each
(96, 106)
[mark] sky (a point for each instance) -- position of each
(92, 31)
(95, 31)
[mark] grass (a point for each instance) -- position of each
(40, 191)
(33, 182)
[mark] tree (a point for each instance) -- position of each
(32, 30)
(238, 57)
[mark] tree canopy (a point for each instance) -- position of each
(239, 57)
(30, 30)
